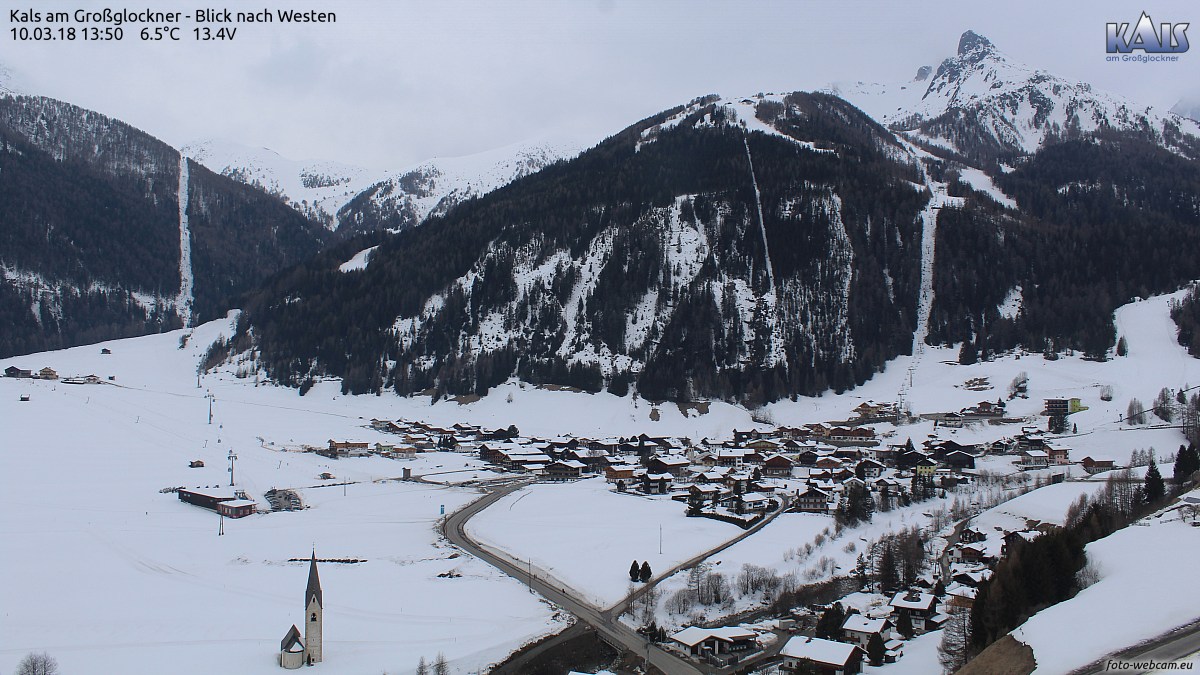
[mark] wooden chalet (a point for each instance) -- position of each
(869, 469)
(670, 464)
(960, 460)
(563, 470)
(778, 466)
(1097, 465)
(339, 449)
(619, 472)
(811, 500)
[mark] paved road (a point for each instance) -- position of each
(603, 621)
(1180, 646)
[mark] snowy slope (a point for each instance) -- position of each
(316, 188)
(1145, 570)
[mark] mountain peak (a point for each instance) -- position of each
(973, 42)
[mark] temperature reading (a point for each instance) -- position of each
(160, 33)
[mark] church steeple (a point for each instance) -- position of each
(313, 611)
(314, 582)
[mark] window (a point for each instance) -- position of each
(314, 617)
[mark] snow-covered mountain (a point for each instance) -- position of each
(749, 249)
(354, 200)
(107, 231)
(981, 104)
(318, 189)
(406, 197)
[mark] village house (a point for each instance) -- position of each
(813, 655)
(969, 553)
(869, 469)
(1035, 459)
(713, 643)
(960, 460)
(339, 449)
(1057, 454)
(47, 373)
(854, 435)
(952, 420)
(563, 470)
(619, 472)
(675, 465)
(778, 466)
(812, 500)
(921, 608)
(926, 467)
(13, 371)
(858, 629)
(1097, 465)
(657, 483)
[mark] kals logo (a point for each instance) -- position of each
(1169, 39)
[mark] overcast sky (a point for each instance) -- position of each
(393, 83)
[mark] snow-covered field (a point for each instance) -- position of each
(1147, 586)
(586, 535)
(111, 576)
(116, 577)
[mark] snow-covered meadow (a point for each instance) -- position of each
(586, 535)
(109, 575)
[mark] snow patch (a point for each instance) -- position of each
(186, 296)
(358, 262)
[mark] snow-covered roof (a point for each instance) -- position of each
(910, 600)
(861, 624)
(238, 502)
(816, 649)
(214, 493)
(694, 635)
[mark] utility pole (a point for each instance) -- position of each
(660, 539)
(221, 528)
(232, 458)
(210, 398)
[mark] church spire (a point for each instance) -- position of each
(314, 582)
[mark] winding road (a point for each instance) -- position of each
(604, 621)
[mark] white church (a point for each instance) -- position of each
(295, 651)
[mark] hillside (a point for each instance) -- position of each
(109, 232)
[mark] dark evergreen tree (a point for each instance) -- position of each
(1187, 462)
(1155, 488)
(829, 626)
(635, 571)
(1122, 347)
(644, 573)
(876, 650)
(904, 625)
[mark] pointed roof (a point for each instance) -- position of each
(292, 640)
(314, 582)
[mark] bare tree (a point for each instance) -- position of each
(37, 664)
(1136, 412)
(952, 651)
(1164, 405)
